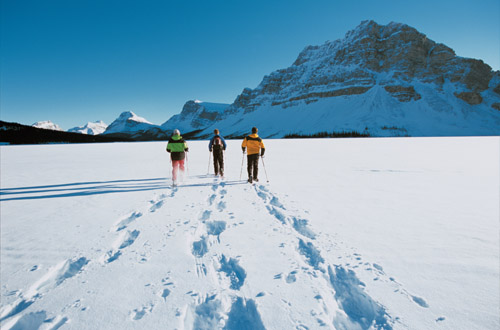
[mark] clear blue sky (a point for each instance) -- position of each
(74, 61)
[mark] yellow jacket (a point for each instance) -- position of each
(254, 143)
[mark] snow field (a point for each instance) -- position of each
(371, 233)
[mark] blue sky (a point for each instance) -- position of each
(74, 61)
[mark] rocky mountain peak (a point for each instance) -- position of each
(374, 66)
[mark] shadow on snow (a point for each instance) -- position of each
(94, 188)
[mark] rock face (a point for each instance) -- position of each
(91, 128)
(195, 115)
(377, 76)
(403, 94)
(473, 98)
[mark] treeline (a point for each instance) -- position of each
(343, 134)
(14, 133)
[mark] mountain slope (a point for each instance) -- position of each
(91, 128)
(195, 115)
(382, 80)
(129, 125)
(47, 124)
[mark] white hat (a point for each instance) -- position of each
(176, 132)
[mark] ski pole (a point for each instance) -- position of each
(209, 157)
(242, 159)
(264, 165)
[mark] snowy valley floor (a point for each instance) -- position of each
(396, 233)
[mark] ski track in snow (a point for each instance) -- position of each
(359, 307)
(67, 269)
(334, 286)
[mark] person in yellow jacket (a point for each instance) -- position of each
(256, 148)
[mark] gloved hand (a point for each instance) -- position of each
(244, 149)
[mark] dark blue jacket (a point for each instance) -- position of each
(210, 145)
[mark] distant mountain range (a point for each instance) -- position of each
(379, 80)
(13, 133)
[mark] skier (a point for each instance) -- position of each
(217, 145)
(255, 147)
(177, 148)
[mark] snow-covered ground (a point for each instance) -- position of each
(398, 233)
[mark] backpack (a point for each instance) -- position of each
(217, 144)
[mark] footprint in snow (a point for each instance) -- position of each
(156, 205)
(244, 315)
(291, 278)
(221, 206)
(123, 223)
(349, 293)
(234, 271)
(420, 301)
(124, 240)
(164, 294)
(205, 215)
(30, 320)
(200, 248)
(215, 228)
(139, 313)
(127, 239)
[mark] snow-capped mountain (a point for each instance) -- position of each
(47, 124)
(128, 124)
(195, 115)
(379, 80)
(91, 128)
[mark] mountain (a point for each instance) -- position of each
(129, 125)
(195, 115)
(91, 128)
(379, 80)
(47, 125)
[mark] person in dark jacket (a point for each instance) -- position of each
(177, 148)
(255, 148)
(217, 146)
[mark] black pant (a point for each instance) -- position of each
(218, 162)
(253, 166)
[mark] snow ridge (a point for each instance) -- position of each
(47, 124)
(91, 128)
